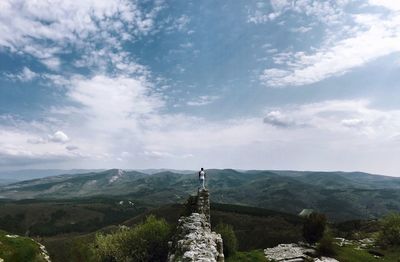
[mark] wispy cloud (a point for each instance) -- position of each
(29, 27)
(326, 12)
(276, 118)
(337, 55)
(202, 100)
(25, 75)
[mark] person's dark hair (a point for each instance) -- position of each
(201, 168)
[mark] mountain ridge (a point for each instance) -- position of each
(339, 194)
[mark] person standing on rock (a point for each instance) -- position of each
(202, 178)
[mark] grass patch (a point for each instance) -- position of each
(391, 254)
(250, 256)
(19, 249)
(349, 254)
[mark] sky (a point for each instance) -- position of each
(279, 84)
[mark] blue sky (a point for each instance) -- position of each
(280, 84)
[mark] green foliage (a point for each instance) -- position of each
(351, 254)
(228, 237)
(356, 229)
(70, 248)
(314, 227)
(258, 228)
(390, 233)
(16, 249)
(250, 256)
(64, 216)
(145, 242)
(81, 251)
(326, 245)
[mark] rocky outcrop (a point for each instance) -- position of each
(203, 203)
(289, 252)
(294, 253)
(194, 240)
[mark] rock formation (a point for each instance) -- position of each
(294, 253)
(194, 240)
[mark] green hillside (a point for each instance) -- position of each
(15, 248)
(54, 217)
(341, 196)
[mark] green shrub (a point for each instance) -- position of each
(145, 242)
(326, 245)
(228, 237)
(389, 234)
(314, 227)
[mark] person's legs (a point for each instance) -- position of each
(203, 183)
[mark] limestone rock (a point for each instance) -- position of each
(294, 253)
(194, 240)
(288, 252)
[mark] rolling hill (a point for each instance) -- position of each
(340, 195)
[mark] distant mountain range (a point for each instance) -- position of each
(11, 176)
(4, 181)
(341, 195)
(27, 174)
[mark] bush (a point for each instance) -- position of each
(314, 227)
(228, 237)
(389, 234)
(326, 245)
(145, 242)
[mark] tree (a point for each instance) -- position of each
(228, 237)
(145, 242)
(326, 245)
(389, 234)
(314, 227)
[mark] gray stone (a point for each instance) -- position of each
(294, 253)
(194, 240)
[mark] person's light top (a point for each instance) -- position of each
(202, 174)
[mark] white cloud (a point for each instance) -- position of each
(276, 118)
(71, 147)
(323, 11)
(17, 146)
(301, 29)
(52, 63)
(353, 122)
(338, 134)
(337, 56)
(182, 22)
(25, 75)
(390, 4)
(202, 100)
(59, 137)
(338, 116)
(113, 100)
(43, 29)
